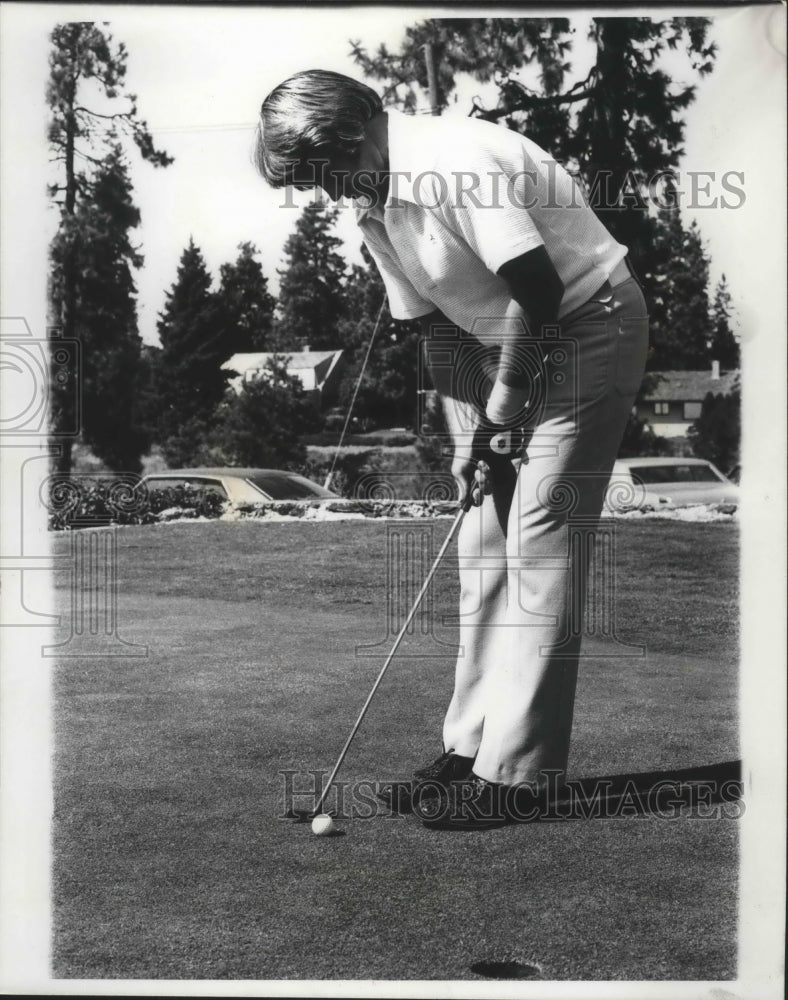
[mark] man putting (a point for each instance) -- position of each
(536, 334)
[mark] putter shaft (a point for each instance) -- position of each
(447, 542)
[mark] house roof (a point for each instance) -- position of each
(296, 360)
(686, 387)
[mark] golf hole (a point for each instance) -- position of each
(506, 970)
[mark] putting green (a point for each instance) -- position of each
(170, 856)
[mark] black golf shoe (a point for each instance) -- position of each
(471, 804)
(429, 782)
(477, 804)
(447, 768)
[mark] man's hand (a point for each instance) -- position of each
(471, 476)
(478, 462)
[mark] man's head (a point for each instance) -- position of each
(312, 130)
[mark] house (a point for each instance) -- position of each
(320, 372)
(674, 403)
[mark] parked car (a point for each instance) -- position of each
(242, 485)
(651, 483)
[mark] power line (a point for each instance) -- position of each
(98, 129)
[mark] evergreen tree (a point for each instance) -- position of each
(681, 328)
(85, 64)
(96, 240)
(716, 434)
(724, 344)
(194, 344)
(387, 394)
(618, 126)
(311, 290)
(147, 402)
(246, 305)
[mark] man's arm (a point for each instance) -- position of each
(459, 416)
(468, 428)
(536, 291)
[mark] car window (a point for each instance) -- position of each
(283, 487)
(192, 482)
(649, 474)
(655, 474)
(207, 485)
(164, 482)
(704, 474)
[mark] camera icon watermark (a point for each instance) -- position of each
(41, 405)
(466, 365)
(41, 379)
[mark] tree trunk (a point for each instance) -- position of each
(66, 408)
(432, 78)
(609, 133)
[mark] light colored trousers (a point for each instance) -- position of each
(522, 570)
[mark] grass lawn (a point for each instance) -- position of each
(170, 856)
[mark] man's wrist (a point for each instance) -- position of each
(505, 403)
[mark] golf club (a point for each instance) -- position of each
(465, 507)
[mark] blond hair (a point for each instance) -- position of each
(312, 115)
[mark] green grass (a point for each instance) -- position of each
(171, 861)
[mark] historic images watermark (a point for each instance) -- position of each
(549, 798)
(663, 190)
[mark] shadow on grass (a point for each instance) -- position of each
(656, 793)
(712, 791)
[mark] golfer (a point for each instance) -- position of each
(535, 334)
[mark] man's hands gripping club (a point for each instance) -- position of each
(484, 454)
(481, 459)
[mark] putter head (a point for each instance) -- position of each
(301, 815)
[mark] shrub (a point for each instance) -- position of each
(384, 439)
(640, 440)
(83, 503)
(349, 468)
(263, 424)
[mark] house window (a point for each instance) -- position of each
(661, 409)
(691, 411)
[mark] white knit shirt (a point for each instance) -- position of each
(466, 196)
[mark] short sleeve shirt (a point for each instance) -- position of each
(466, 196)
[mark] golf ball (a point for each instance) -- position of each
(322, 826)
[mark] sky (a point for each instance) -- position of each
(200, 75)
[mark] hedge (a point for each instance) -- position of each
(81, 503)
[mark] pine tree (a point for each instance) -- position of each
(194, 344)
(96, 239)
(312, 283)
(724, 344)
(387, 394)
(681, 328)
(85, 64)
(617, 128)
(246, 305)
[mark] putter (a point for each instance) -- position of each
(466, 506)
